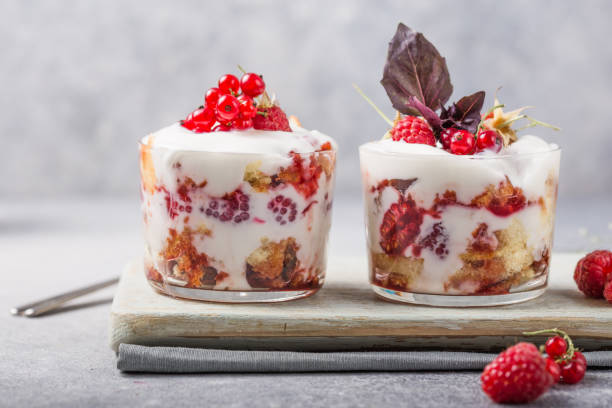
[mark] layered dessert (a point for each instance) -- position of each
(459, 208)
(237, 208)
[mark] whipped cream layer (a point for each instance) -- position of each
(530, 164)
(250, 141)
(523, 162)
(209, 153)
(218, 163)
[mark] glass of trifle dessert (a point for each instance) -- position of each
(237, 200)
(459, 210)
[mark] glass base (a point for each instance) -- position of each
(227, 296)
(456, 300)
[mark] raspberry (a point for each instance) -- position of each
(608, 289)
(412, 129)
(284, 208)
(271, 118)
(400, 226)
(592, 271)
(435, 241)
(232, 207)
(516, 375)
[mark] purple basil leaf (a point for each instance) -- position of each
(465, 113)
(430, 116)
(415, 68)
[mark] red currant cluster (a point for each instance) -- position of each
(564, 363)
(228, 106)
(459, 141)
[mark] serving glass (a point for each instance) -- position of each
(235, 227)
(448, 230)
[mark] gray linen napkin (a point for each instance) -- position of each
(135, 358)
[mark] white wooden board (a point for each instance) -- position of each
(346, 315)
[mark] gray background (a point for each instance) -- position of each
(82, 81)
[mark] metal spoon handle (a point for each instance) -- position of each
(45, 305)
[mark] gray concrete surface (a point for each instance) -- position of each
(83, 80)
(63, 359)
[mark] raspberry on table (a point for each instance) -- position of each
(608, 289)
(517, 375)
(592, 271)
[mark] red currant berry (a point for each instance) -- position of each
(573, 371)
(211, 97)
(221, 127)
(556, 347)
(445, 138)
(462, 142)
(200, 120)
(578, 356)
(247, 109)
(228, 84)
(489, 139)
(243, 124)
(203, 119)
(228, 108)
(188, 124)
(252, 85)
(553, 369)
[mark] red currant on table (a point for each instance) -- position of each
(489, 139)
(228, 108)
(252, 85)
(462, 142)
(556, 347)
(228, 84)
(553, 369)
(247, 109)
(573, 371)
(212, 96)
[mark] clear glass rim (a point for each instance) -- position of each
(254, 154)
(553, 148)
